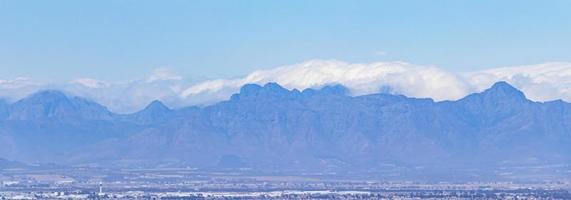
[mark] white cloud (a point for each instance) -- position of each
(541, 82)
(405, 78)
(90, 83)
(14, 89)
(163, 74)
(128, 96)
(118, 96)
(20, 82)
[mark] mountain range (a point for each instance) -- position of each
(495, 132)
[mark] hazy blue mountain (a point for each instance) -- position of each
(272, 128)
(4, 109)
(155, 112)
(44, 126)
(55, 104)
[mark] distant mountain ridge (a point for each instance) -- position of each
(272, 128)
(55, 104)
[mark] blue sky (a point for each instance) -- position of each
(117, 40)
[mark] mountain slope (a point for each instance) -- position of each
(272, 128)
(44, 126)
(156, 112)
(54, 104)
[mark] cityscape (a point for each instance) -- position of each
(84, 183)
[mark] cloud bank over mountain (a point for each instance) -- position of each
(398, 77)
(541, 82)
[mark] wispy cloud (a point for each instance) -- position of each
(90, 83)
(132, 95)
(14, 89)
(381, 53)
(163, 74)
(17, 83)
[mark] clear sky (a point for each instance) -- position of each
(118, 39)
